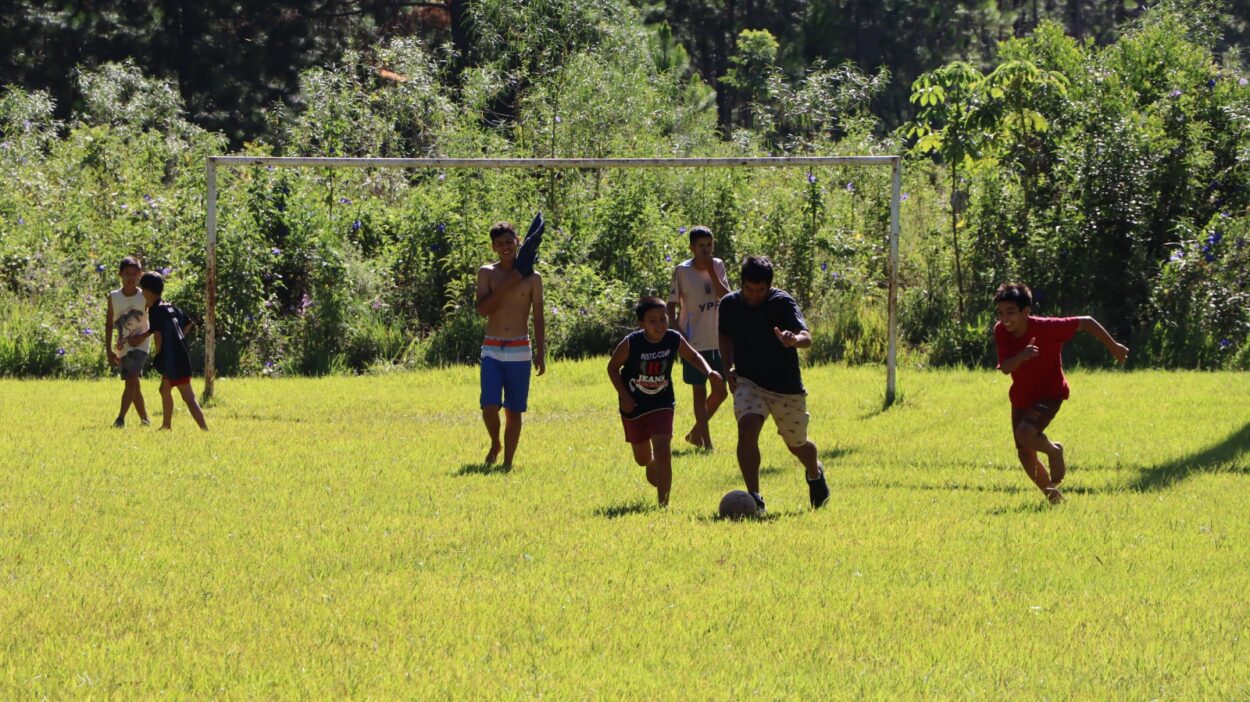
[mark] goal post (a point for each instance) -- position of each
(215, 162)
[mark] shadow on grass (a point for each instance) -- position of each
(829, 454)
(1024, 487)
(483, 469)
(625, 509)
(1219, 457)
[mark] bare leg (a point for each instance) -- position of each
(749, 450)
(511, 436)
(490, 417)
(128, 393)
(809, 457)
(167, 404)
(1032, 441)
(188, 396)
(136, 397)
(714, 401)
(660, 468)
(698, 435)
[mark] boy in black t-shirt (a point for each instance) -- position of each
(170, 326)
(641, 370)
(760, 329)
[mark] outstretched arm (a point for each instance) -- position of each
(1091, 326)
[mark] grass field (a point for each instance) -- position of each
(336, 537)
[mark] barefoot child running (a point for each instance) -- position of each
(1030, 350)
(698, 285)
(641, 370)
(170, 327)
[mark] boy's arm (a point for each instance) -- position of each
(794, 340)
(540, 327)
(618, 359)
(156, 341)
(726, 345)
(674, 300)
(1091, 326)
(489, 300)
(1030, 352)
(720, 282)
(108, 334)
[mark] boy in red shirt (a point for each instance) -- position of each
(1030, 350)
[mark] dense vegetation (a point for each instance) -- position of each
(1101, 160)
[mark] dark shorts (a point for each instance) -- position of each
(1040, 414)
(692, 376)
(175, 382)
(131, 365)
(640, 429)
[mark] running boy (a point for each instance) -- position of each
(170, 327)
(645, 389)
(698, 285)
(128, 315)
(507, 292)
(1030, 350)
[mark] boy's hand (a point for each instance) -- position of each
(1030, 352)
(113, 359)
(1119, 352)
(731, 377)
(627, 403)
(540, 363)
(787, 338)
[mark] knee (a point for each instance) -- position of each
(1025, 433)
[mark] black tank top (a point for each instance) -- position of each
(648, 373)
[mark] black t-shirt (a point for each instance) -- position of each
(173, 361)
(758, 355)
(648, 372)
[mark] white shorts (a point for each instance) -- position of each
(789, 412)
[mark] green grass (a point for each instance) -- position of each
(336, 537)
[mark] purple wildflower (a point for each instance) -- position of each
(1225, 343)
(276, 251)
(356, 225)
(681, 230)
(268, 303)
(166, 271)
(1176, 93)
(668, 258)
(26, 124)
(377, 304)
(824, 267)
(850, 187)
(60, 351)
(345, 201)
(1211, 83)
(269, 364)
(99, 268)
(558, 120)
(306, 303)
(20, 220)
(442, 177)
(1177, 256)
(442, 228)
(905, 197)
(1243, 82)
(811, 178)
(88, 331)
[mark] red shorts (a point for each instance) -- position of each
(175, 382)
(640, 429)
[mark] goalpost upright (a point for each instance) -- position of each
(213, 162)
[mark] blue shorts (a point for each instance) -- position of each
(692, 376)
(505, 383)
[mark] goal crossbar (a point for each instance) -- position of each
(213, 162)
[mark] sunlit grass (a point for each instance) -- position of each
(339, 537)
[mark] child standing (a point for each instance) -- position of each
(170, 327)
(641, 370)
(698, 285)
(128, 315)
(1030, 349)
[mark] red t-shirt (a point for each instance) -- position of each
(1040, 377)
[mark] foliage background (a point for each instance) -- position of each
(1097, 154)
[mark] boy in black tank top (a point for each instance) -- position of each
(641, 370)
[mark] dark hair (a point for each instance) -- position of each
(128, 262)
(499, 229)
(1018, 293)
(646, 304)
(757, 269)
(699, 232)
(152, 282)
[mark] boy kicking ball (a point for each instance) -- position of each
(1030, 350)
(641, 370)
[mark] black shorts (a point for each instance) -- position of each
(1040, 414)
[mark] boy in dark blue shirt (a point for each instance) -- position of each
(170, 326)
(641, 370)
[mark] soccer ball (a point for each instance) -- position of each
(737, 504)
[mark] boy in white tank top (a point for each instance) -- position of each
(128, 316)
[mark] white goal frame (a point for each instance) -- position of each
(214, 162)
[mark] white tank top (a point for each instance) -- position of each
(130, 317)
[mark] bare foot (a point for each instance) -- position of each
(1058, 469)
(492, 454)
(693, 441)
(1053, 494)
